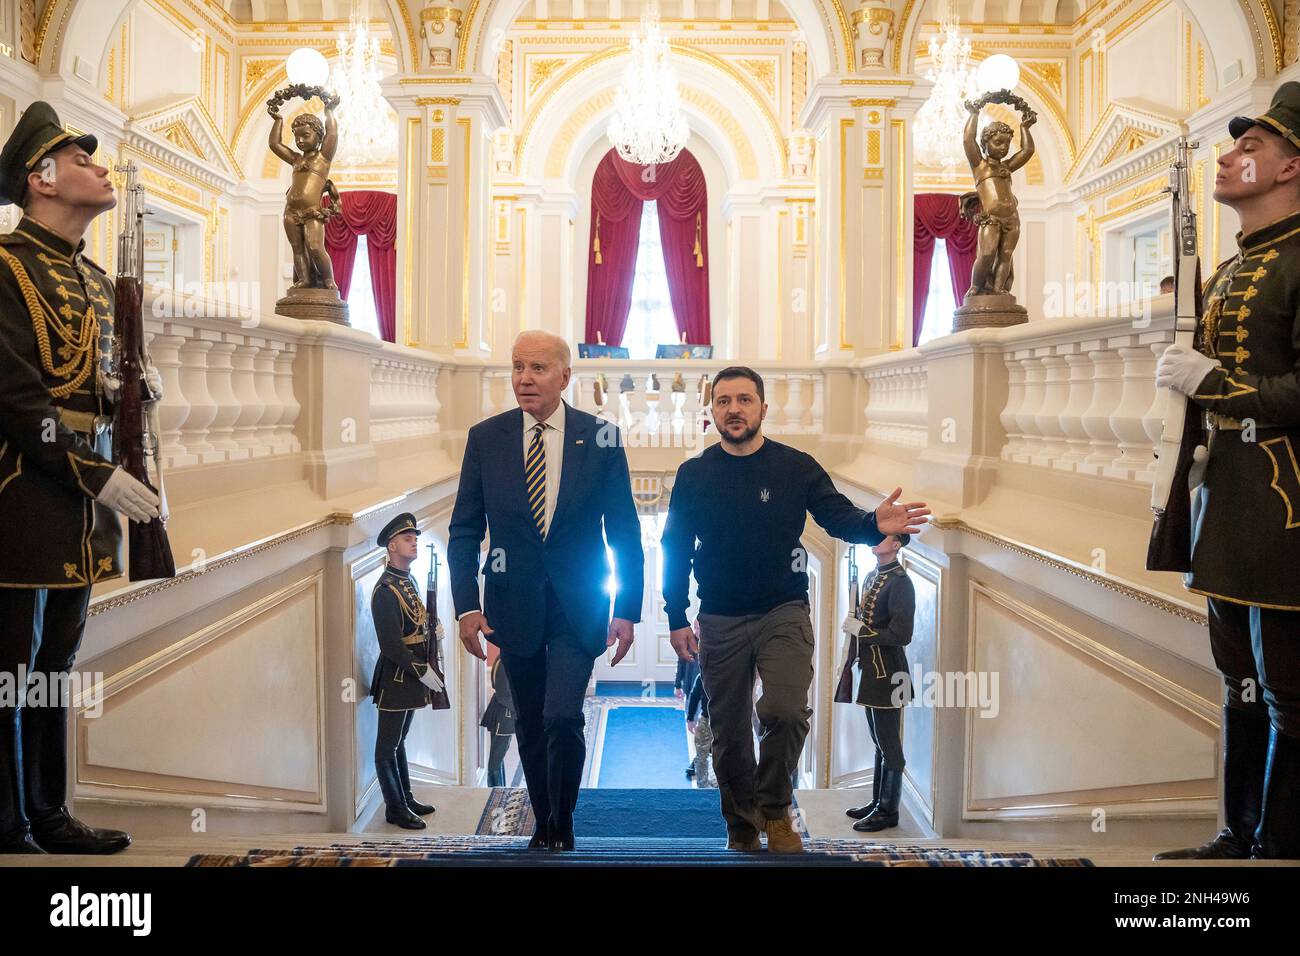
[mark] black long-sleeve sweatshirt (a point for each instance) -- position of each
(736, 520)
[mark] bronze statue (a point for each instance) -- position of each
(314, 293)
(997, 218)
(993, 207)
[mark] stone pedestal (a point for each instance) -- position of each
(988, 312)
(313, 304)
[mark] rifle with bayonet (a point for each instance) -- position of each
(135, 417)
(1170, 547)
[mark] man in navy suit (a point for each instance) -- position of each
(552, 483)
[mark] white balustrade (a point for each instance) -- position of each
(403, 395)
(228, 389)
(897, 406)
(1081, 394)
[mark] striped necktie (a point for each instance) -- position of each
(535, 478)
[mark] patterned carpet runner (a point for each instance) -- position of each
(609, 851)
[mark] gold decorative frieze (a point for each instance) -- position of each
(179, 135)
(763, 70)
(541, 69)
(1049, 72)
(255, 70)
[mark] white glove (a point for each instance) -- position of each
(1196, 476)
(153, 379)
(1183, 369)
(127, 496)
(430, 680)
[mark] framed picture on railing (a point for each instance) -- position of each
(680, 351)
(600, 350)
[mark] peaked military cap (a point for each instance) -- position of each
(403, 522)
(1282, 116)
(37, 134)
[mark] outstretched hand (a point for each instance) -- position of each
(893, 518)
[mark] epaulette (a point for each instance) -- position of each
(12, 239)
(89, 261)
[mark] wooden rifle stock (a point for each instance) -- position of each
(439, 698)
(1170, 547)
(149, 551)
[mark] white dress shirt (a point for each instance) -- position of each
(553, 444)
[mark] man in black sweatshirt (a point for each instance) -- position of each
(736, 514)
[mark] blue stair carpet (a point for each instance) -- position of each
(644, 747)
(632, 814)
(632, 688)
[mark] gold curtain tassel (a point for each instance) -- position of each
(699, 252)
(595, 246)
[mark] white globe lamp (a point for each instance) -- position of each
(307, 66)
(998, 72)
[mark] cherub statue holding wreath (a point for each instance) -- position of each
(305, 213)
(992, 206)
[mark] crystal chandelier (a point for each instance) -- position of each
(942, 118)
(648, 126)
(367, 132)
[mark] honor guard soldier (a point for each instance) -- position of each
(878, 632)
(402, 679)
(1246, 509)
(59, 491)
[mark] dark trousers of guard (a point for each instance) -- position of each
(549, 688)
(1258, 652)
(40, 632)
(778, 648)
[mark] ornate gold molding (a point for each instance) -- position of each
(581, 66)
(1059, 564)
(114, 602)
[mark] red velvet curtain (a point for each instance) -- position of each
(618, 194)
(938, 216)
(372, 214)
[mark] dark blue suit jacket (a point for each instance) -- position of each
(595, 496)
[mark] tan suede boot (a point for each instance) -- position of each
(782, 836)
(743, 841)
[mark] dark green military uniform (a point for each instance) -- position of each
(402, 626)
(1246, 536)
(56, 325)
(56, 540)
(888, 606)
(877, 664)
(1251, 326)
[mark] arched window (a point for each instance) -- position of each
(650, 321)
(940, 304)
(361, 296)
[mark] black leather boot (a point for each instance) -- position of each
(45, 784)
(404, 777)
(541, 839)
(885, 816)
(857, 813)
(561, 831)
(15, 833)
(1278, 835)
(61, 832)
(396, 811)
(1245, 757)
